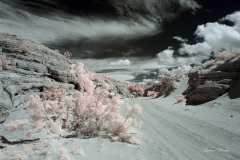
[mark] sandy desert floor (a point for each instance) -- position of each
(170, 131)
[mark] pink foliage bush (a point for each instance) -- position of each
(67, 54)
(135, 88)
(90, 113)
(53, 91)
(24, 48)
(63, 153)
(166, 85)
(225, 55)
(151, 93)
(179, 98)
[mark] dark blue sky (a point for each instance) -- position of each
(176, 21)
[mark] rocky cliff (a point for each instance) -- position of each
(213, 79)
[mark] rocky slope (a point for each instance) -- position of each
(213, 79)
(26, 67)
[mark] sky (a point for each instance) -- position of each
(127, 32)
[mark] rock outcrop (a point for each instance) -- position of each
(26, 67)
(214, 79)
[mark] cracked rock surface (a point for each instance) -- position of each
(30, 66)
(222, 77)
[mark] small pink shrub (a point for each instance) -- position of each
(63, 154)
(67, 54)
(179, 98)
(24, 48)
(224, 56)
(165, 86)
(178, 76)
(53, 91)
(135, 88)
(151, 93)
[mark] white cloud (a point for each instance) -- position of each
(189, 4)
(195, 49)
(180, 39)
(121, 62)
(58, 27)
(216, 37)
(166, 58)
(235, 17)
(63, 26)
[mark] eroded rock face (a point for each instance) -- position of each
(221, 77)
(30, 65)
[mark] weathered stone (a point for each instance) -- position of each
(221, 79)
(29, 72)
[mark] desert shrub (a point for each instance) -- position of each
(24, 48)
(164, 87)
(67, 54)
(151, 93)
(4, 63)
(90, 113)
(178, 76)
(135, 89)
(224, 56)
(167, 84)
(179, 98)
(63, 153)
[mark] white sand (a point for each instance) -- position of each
(170, 131)
(120, 77)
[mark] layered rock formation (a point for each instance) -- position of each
(30, 66)
(213, 79)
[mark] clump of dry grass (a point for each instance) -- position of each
(24, 48)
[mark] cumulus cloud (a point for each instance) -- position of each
(216, 37)
(122, 62)
(166, 58)
(203, 48)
